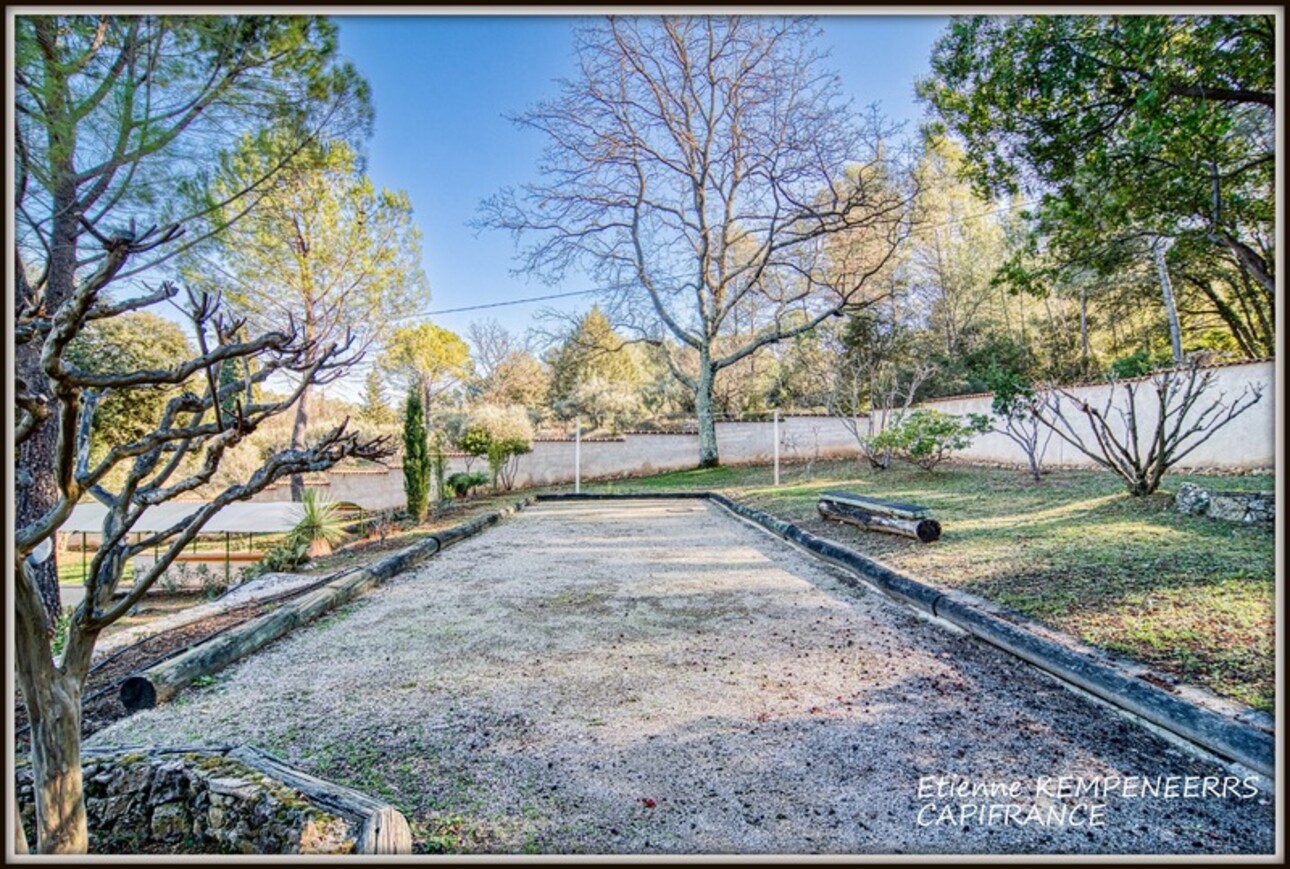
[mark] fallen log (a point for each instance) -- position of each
(164, 680)
(877, 505)
(922, 529)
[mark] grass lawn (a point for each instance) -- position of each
(1186, 595)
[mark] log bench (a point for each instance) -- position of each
(877, 514)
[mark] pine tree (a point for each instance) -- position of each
(376, 409)
(594, 352)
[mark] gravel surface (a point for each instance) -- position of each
(658, 677)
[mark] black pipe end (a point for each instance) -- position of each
(928, 530)
(137, 693)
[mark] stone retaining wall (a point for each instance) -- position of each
(194, 802)
(1246, 507)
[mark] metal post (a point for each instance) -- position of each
(228, 576)
(775, 430)
(84, 566)
(577, 456)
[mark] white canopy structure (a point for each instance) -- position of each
(240, 517)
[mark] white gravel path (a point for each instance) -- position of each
(657, 677)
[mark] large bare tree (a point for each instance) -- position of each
(699, 166)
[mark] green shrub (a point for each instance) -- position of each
(927, 437)
(284, 557)
(1138, 364)
(416, 456)
(462, 482)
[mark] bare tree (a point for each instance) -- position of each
(115, 118)
(1022, 426)
(875, 381)
(178, 456)
(1016, 406)
(1140, 444)
(700, 165)
(491, 343)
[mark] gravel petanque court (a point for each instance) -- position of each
(659, 677)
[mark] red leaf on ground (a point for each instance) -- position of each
(649, 804)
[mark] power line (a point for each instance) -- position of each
(484, 307)
(499, 304)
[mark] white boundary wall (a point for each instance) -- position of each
(1247, 442)
(635, 454)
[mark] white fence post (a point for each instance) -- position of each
(775, 429)
(577, 456)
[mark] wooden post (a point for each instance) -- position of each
(577, 456)
(775, 430)
(228, 548)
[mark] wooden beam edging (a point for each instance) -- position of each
(162, 681)
(1210, 730)
(1215, 732)
(379, 827)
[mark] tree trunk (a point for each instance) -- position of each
(298, 442)
(56, 763)
(1171, 308)
(1083, 332)
(708, 457)
(39, 491)
(36, 455)
(19, 835)
(53, 699)
(52, 696)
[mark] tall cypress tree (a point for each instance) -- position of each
(416, 456)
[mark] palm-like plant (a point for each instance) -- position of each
(320, 526)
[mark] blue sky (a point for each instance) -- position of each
(443, 84)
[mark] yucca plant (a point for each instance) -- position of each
(320, 526)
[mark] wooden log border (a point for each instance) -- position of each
(162, 681)
(1210, 730)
